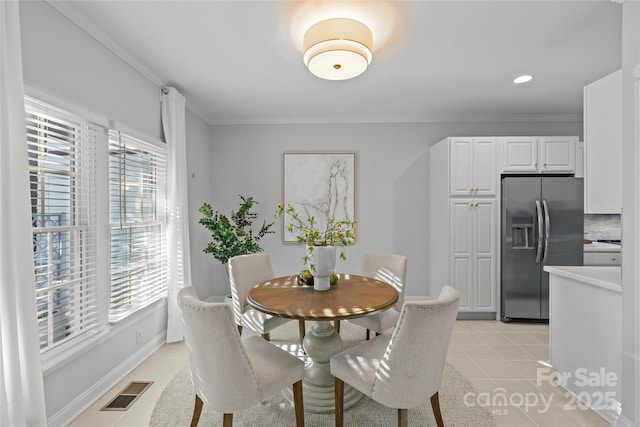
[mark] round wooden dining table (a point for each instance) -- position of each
(353, 296)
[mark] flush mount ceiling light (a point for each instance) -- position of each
(523, 79)
(338, 48)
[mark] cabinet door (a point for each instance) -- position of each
(520, 154)
(557, 154)
(461, 247)
(473, 253)
(484, 256)
(484, 167)
(461, 166)
(603, 145)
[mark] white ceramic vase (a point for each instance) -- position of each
(324, 259)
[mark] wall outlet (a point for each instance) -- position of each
(139, 336)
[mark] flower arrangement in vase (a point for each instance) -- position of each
(321, 244)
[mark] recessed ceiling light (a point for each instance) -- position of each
(523, 79)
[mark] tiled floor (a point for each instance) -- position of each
(504, 360)
(501, 360)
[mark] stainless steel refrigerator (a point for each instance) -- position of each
(542, 224)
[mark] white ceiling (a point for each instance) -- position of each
(237, 62)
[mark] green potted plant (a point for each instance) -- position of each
(233, 235)
(321, 244)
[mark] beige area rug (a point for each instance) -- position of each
(175, 405)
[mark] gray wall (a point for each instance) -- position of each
(199, 187)
(63, 61)
(391, 182)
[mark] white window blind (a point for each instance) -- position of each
(62, 175)
(137, 172)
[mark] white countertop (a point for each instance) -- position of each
(601, 247)
(603, 277)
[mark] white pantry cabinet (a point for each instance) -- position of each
(544, 154)
(473, 166)
(472, 233)
(463, 182)
(603, 145)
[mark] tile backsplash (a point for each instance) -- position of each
(602, 227)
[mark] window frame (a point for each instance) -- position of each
(57, 356)
(57, 142)
(145, 294)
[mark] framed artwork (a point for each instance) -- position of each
(319, 184)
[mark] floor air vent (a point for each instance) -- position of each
(127, 396)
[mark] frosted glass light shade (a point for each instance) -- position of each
(338, 48)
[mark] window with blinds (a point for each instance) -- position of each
(62, 176)
(137, 217)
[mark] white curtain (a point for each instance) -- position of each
(21, 384)
(179, 268)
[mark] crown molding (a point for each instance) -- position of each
(67, 9)
(81, 21)
(407, 120)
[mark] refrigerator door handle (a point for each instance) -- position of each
(547, 225)
(540, 238)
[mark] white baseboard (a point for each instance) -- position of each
(93, 393)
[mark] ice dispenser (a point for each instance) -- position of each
(522, 233)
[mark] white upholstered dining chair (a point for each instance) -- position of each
(403, 370)
(246, 271)
(391, 269)
(228, 372)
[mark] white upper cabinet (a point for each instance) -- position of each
(603, 145)
(557, 153)
(520, 154)
(473, 166)
(552, 154)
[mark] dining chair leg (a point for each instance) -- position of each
(368, 332)
(435, 405)
(301, 330)
(403, 417)
(336, 325)
(227, 420)
(298, 403)
(240, 329)
(378, 334)
(197, 410)
(267, 336)
(339, 398)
